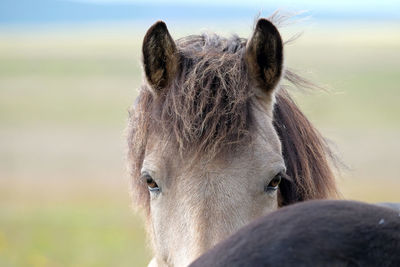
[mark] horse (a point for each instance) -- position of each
(314, 233)
(216, 141)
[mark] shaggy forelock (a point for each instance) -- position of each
(206, 111)
(207, 106)
(206, 43)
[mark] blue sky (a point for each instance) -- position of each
(251, 2)
(376, 5)
(77, 11)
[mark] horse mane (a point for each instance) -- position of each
(207, 110)
(308, 157)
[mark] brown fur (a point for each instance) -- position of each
(313, 233)
(206, 111)
(159, 56)
(306, 153)
(265, 60)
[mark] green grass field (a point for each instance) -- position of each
(64, 194)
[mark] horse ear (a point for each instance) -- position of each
(264, 56)
(160, 59)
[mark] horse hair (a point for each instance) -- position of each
(313, 233)
(206, 111)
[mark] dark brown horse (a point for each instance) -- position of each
(314, 233)
(215, 141)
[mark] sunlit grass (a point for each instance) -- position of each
(71, 233)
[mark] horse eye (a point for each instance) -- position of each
(274, 183)
(151, 184)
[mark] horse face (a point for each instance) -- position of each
(195, 202)
(194, 206)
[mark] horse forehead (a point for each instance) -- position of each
(263, 150)
(261, 153)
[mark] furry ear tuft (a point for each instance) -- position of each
(160, 59)
(264, 56)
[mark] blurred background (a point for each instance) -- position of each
(69, 70)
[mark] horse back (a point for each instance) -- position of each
(314, 233)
